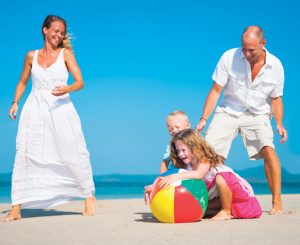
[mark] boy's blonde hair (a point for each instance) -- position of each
(198, 147)
(177, 113)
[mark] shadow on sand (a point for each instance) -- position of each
(146, 218)
(29, 213)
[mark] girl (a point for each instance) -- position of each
(227, 191)
(52, 163)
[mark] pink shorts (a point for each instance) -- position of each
(244, 203)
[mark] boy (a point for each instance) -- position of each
(176, 121)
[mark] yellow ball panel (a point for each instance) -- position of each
(162, 205)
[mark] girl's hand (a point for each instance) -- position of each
(13, 110)
(61, 90)
(166, 181)
(147, 191)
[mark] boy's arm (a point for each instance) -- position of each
(164, 166)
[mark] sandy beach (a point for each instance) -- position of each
(129, 221)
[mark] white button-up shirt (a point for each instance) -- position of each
(233, 73)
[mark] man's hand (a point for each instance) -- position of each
(201, 124)
(283, 133)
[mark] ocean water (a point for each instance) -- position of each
(130, 186)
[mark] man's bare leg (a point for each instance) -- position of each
(273, 174)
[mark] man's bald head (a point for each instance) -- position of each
(253, 43)
(254, 32)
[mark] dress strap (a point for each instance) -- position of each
(36, 52)
(61, 53)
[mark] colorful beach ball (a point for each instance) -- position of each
(182, 201)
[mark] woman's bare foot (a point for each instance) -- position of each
(90, 205)
(14, 214)
(222, 215)
(276, 210)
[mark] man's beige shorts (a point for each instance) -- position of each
(256, 132)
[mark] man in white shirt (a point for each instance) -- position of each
(252, 80)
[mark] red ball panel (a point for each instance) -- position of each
(186, 207)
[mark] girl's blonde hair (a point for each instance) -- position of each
(198, 147)
(47, 23)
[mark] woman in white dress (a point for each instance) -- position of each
(52, 163)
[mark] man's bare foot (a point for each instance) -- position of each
(222, 215)
(14, 214)
(276, 210)
(90, 205)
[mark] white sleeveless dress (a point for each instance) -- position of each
(52, 163)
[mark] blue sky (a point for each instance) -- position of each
(141, 60)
